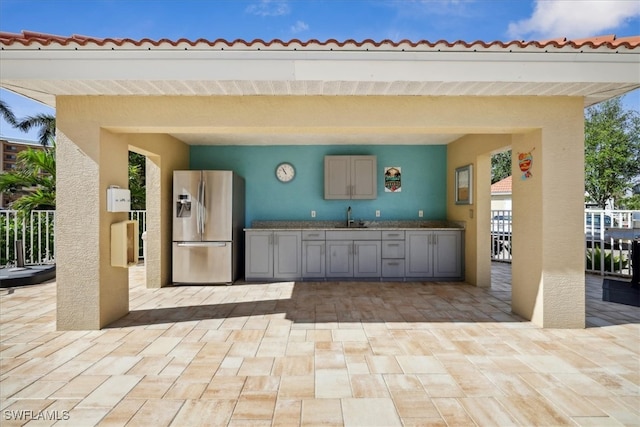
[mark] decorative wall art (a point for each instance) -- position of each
(392, 179)
(463, 187)
(525, 161)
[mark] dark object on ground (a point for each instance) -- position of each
(623, 291)
(29, 275)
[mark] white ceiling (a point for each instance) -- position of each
(327, 138)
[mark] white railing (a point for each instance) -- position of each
(36, 231)
(608, 235)
(608, 248)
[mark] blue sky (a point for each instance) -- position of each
(432, 20)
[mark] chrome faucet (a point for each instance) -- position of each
(349, 220)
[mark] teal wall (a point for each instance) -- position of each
(423, 180)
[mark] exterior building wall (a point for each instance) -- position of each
(164, 155)
(97, 132)
(548, 235)
(548, 262)
(501, 202)
(91, 293)
(475, 150)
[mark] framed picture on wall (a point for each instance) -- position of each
(464, 181)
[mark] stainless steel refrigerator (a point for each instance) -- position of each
(208, 218)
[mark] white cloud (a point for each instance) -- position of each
(574, 18)
(269, 8)
(299, 27)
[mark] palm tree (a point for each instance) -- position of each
(46, 124)
(7, 114)
(34, 178)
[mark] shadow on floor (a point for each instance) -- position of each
(319, 302)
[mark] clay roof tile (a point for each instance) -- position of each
(502, 186)
(28, 37)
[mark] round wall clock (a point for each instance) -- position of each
(285, 172)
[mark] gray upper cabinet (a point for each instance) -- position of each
(350, 177)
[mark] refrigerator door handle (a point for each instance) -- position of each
(203, 204)
(202, 244)
(198, 210)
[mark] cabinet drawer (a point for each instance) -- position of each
(393, 249)
(392, 268)
(393, 235)
(347, 234)
(313, 235)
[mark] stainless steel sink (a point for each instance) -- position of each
(351, 226)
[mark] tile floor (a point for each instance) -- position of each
(318, 353)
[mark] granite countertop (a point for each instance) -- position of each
(366, 225)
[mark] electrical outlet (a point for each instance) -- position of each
(377, 213)
(313, 214)
(420, 213)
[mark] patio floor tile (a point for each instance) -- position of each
(319, 353)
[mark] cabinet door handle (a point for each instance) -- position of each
(322, 249)
(393, 244)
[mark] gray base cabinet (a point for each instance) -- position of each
(433, 254)
(313, 254)
(353, 253)
(340, 258)
(366, 258)
(353, 258)
(273, 255)
(393, 254)
(259, 255)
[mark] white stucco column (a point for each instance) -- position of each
(164, 155)
(548, 240)
(90, 292)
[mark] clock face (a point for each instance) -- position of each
(285, 172)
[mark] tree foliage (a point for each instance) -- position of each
(46, 125)
(34, 179)
(612, 150)
(137, 181)
(7, 114)
(500, 166)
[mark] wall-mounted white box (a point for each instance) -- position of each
(118, 200)
(125, 244)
